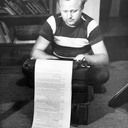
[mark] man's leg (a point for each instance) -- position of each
(28, 70)
(95, 76)
(98, 75)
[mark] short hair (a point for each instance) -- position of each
(82, 2)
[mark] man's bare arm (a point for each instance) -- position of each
(100, 56)
(38, 51)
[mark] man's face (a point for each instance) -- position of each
(70, 11)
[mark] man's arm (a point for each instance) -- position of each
(38, 51)
(100, 56)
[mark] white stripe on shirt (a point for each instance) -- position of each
(52, 23)
(71, 42)
(91, 26)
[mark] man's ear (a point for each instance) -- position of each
(58, 5)
(82, 6)
(83, 3)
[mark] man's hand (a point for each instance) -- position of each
(79, 57)
(81, 61)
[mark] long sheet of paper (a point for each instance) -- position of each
(52, 101)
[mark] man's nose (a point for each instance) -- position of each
(69, 15)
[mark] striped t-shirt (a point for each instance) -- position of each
(67, 42)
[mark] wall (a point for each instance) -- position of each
(124, 9)
(92, 8)
(115, 8)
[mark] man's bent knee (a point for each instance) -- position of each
(98, 74)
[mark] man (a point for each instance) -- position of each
(74, 36)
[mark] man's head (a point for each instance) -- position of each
(71, 10)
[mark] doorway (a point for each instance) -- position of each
(114, 17)
(114, 26)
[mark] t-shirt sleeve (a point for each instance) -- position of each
(95, 34)
(46, 31)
